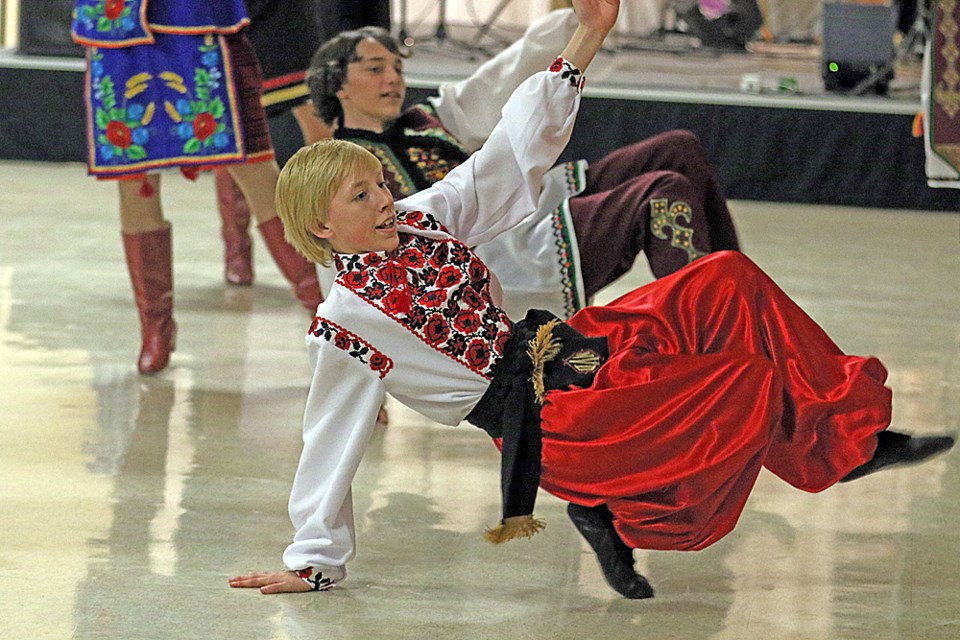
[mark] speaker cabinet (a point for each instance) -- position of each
(45, 28)
(858, 50)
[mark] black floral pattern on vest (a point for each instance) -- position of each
(415, 150)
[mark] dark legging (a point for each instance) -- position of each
(660, 196)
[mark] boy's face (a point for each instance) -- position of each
(361, 217)
(373, 92)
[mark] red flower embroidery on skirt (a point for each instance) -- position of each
(119, 134)
(204, 126)
(113, 8)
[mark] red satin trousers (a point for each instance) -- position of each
(714, 372)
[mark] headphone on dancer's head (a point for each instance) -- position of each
(328, 68)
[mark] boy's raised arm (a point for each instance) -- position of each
(470, 108)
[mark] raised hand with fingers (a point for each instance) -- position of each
(596, 18)
(598, 15)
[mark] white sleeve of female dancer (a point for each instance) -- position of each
(340, 417)
(470, 108)
(499, 185)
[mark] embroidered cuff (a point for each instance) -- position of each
(315, 579)
(568, 72)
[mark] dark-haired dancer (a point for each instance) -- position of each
(660, 197)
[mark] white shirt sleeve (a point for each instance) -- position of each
(340, 417)
(499, 186)
(470, 108)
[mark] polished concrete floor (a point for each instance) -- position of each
(127, 501)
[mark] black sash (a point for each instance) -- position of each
(543, 354)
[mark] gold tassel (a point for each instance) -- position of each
(514, 527)
(542, 349)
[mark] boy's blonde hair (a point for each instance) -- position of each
(307, 184)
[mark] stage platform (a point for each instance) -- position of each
(809, 147)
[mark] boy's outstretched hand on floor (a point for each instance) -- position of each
(271, 582)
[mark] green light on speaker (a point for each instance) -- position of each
(834, 67)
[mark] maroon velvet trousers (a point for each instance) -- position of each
(659, 196)
(713, 374)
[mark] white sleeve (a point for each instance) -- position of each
(499, 185)
(470, 109)
(340, 417)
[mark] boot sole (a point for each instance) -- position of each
(921, 449)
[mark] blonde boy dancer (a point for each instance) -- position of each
(632, 412)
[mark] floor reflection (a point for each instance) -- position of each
(127, 501)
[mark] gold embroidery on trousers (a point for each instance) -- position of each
(664, 215)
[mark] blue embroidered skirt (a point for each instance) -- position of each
(188, 101)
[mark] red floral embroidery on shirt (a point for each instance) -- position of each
(420, 220)
(352, 344)
(449, 276)
(568, 72)
(316, 580)
(436, 288)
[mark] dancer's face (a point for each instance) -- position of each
(361, 217)
(373, 92)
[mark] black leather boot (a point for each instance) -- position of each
(898, 448)
(615, 557)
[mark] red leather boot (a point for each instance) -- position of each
(301, 273)
(150, 261)
(235, 219)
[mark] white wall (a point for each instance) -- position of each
(636, 16)
(785, 18)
